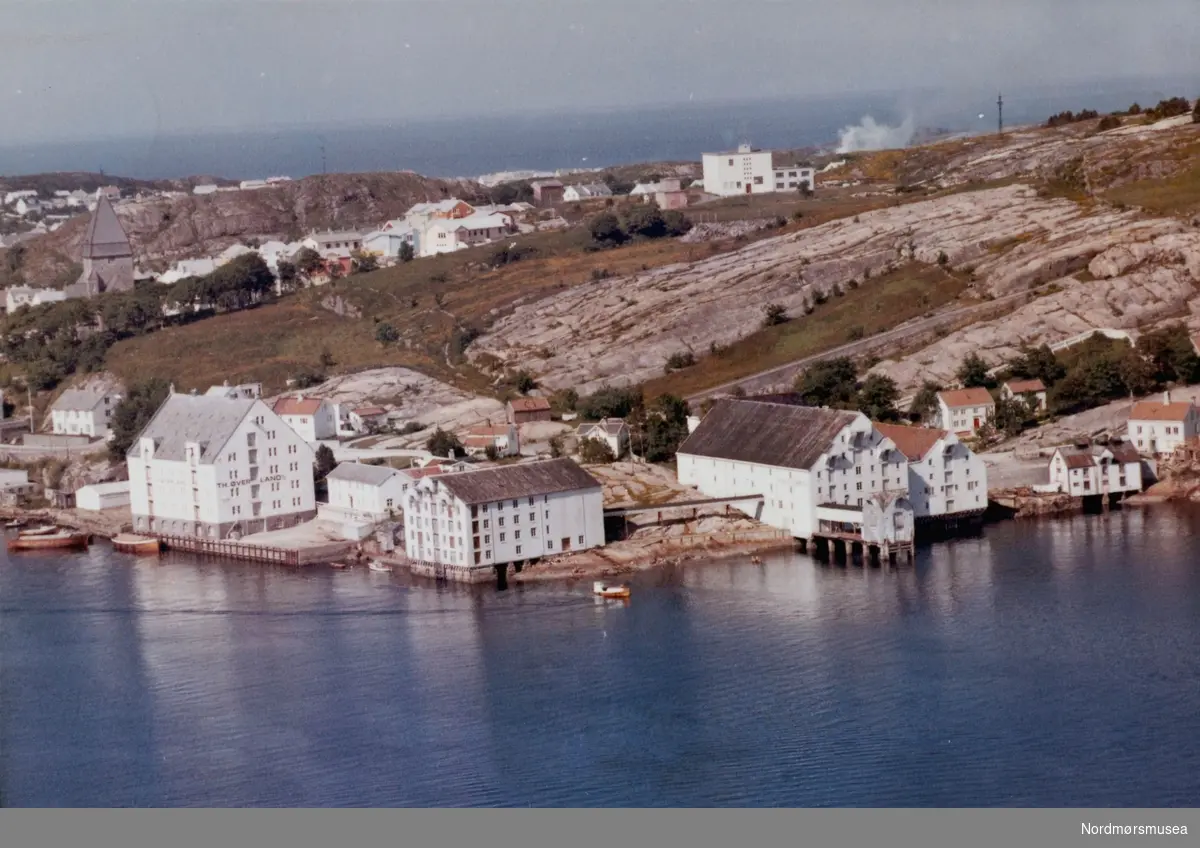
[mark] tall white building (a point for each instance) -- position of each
(744, 171)
(83, 413)
(220, 468)
(945, 477)
(313, 418)
(813, 467)
(463, 525)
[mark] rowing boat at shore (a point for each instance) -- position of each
(55, 539)
(133, 544)
(606, 591)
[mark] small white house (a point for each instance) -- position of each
(964, 411)
(188, 268)
(313, 418)
(795, 178)
(334, 244)
(1097, 470)
(464, 525)
(102, 496)
(206, 188)
(614, 432)
(1032, 392)
(388, 243)
(1156, 428)
(502, 437)
(576, 193)
(83, 413)
(451, 234)
(368, 492)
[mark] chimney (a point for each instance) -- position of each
(1167, 396)
(172, 389)
(193, 393)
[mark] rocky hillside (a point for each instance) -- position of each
(163, 229)
(1046, 224)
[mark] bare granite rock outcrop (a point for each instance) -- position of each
(621, 330)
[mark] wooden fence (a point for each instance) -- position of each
(230, 550)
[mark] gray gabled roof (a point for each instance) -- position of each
(105, 237)
(204, 419)
(358, 472)
(783, 435)
(78, 399)
(528, 480)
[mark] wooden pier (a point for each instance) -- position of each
(226, 549)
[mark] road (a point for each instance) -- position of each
(888, 338)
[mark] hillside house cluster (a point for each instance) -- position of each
(463, 526)
(832, 474)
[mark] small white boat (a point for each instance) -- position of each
(376, 565)
(15, 525)
(39, 531)
(606, 591)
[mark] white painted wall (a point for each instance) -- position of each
(313, 428)
(950, 479)
(961, 419)
(375, 502)
(728, 174)
(441, 528)
(1162, 437)
(222, 491)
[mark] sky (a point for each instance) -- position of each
(81, 69)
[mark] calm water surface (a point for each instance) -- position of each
(1039, 664)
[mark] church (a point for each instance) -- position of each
(107, 255)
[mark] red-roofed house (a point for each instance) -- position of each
(522, 410)
(1156, 428)
(313, 418)
(964, 411)
(1033, 392)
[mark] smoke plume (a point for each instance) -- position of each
(869, 135)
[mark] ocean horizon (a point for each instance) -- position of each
(473, 146)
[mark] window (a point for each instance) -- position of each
(547, 515)
(487, 539)
(532, 531)
(485, 523)
(581, 540)
(758, 180)
(500, 521)
(516, 519)
(501, 537)
(731, 162)
(516, 534)
(859, 486)
(515, 504)
(779, 186)
(518, 548)
(549, 544)
(532, 517)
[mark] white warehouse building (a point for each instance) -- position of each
(751, 171)
(807, 463)
(463, 526)
(219, 468)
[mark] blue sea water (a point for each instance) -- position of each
(469, 147)
(1038, 664)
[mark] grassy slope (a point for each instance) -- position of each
(876, 305)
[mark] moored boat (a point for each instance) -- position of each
(133, 544)
(606, 591)
(376, 565)
(337, 565)
(40, 531)
(15, 525)
(58, 539)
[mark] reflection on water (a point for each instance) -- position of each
(1039, 663)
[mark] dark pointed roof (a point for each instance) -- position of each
(778, 434)
(105, 238)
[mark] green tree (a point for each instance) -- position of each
(973, 373)
(660, 428)
(645, 221)
(877, 398)
(609, 402)
(491, 452)
(441, 443)
(556, 446)
(385, 333)
(924, 406)
(406, 253)
(830, 382)
(774, 313)
(309, 262)
(289, 276)
(15, 258)
(133, 412)
(606, 230)
(564, 400)
(1170, 352)
(1038, 363)
(1013, 416)
(324, 463)
(595, 452)
(326, 359)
